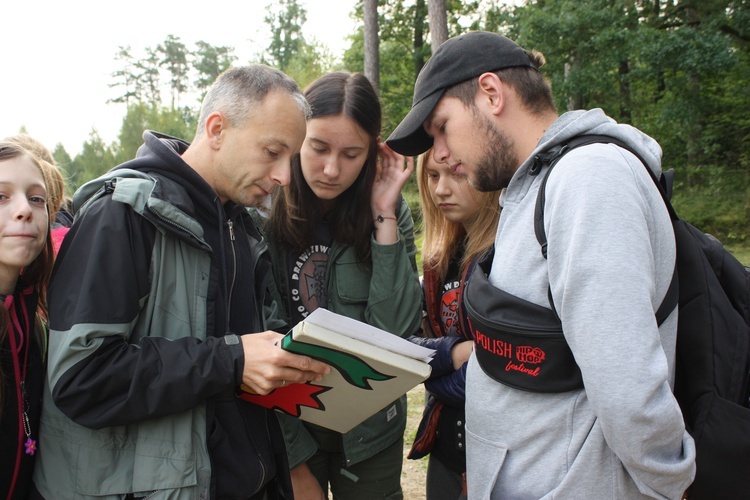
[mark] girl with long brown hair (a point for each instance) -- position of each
(342, 238)
(26, 258)
(459, 225)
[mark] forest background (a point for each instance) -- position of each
(677, 69)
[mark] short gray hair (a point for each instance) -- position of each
(237, 90)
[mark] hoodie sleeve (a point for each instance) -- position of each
(449, 388)
(99, 374)
(441, 363)
(447, 384)
(611, 256)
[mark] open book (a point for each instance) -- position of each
(371, 368)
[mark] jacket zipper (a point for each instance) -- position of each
(334, 254)
(254, 300)
(259, 248)
(230, 225)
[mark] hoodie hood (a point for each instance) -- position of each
(594, 121)
(161, 155)
(159, 185)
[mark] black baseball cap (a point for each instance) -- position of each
(457, 60)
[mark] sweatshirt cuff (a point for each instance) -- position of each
(231, 346)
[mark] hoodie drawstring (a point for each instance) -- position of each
(19, 369)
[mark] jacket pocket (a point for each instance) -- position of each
(352, 282)
(118, 464)
(241, 449)
(484, 460)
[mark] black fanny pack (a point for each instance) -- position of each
(517, 343)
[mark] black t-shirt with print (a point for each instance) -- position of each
(307, 275)
(449, 300)
(450, 444)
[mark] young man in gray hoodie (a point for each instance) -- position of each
(616, 432)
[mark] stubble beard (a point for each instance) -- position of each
(498, 162)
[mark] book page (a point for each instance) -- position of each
(367, 333)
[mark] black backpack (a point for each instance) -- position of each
(712, 369)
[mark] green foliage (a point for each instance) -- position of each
(399, 57)
(140, 84)
(95, 159)
(288, 50)
(140, 80)
(679, 73)
(717, 204)
(63, 162)
(396, 84)
(285, 18)
(740, 251)
(678, 70)
(124, 77)
(411, 196)
(178, 123)
(210, 61)
(311, 62)
(175, 58)
(148, 76)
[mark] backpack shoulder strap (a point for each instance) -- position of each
(554, 155)
(664, 185)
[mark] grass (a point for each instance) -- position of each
(414, 472)
(741, 252)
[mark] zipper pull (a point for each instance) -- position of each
(230, 225)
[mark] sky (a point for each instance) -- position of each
(58, 55)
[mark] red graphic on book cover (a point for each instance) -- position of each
(289, 399)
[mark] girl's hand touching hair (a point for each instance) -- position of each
(386, 191)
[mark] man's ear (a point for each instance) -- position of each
(216, 124)
(492, 93)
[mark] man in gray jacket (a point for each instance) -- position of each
(616, 431)
(158, 308)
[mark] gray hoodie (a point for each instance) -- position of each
(611, 256)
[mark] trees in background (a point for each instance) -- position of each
(678, 69)
(175, 60)
(209, 62)
(167, 70)
(372, 41)
(438, 23)
(161, 91)
(302, 59)
(286, 18)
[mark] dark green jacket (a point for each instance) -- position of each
(386, 295)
